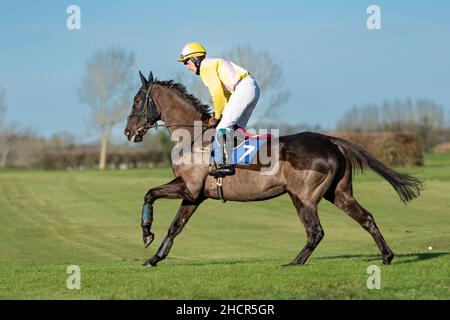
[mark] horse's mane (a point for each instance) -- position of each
(181, 91)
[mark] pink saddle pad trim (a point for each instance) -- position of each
(250, 136)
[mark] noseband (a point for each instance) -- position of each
(149, 111)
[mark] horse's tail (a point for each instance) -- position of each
(407, 186)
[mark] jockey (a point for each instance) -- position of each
(234, 94)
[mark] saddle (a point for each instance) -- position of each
(245, 147)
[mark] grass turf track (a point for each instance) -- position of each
(50, 220)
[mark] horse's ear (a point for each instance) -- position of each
(143, 80)
(150, 77)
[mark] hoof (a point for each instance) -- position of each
(388, 258)
(150, 262)
(148, 240)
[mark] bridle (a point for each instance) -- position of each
(151, 115)
(148, 111)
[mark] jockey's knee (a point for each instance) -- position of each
(223, 131)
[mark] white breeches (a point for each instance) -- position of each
(241, 104)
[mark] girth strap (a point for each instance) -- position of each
(219, 181)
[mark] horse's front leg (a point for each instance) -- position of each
(175, 189)
(184, 213)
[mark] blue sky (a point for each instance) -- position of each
(331, 61)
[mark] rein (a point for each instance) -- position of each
(152, 114)
(173, 125)
(179, 125)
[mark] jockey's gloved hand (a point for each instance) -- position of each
(213, 122)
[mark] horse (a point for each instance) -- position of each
(311, 166)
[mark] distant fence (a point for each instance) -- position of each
(442, 148)
(30, 151)
(395, 149)
(117, 159)
(392, 148)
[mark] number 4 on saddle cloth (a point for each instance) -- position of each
(246, 146)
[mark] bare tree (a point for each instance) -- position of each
(106, 88)
(268, 73)
(2, 106)
(4, 143)
(265, 69)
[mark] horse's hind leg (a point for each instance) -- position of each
(310, 219)
(346, 202)
(342, 197)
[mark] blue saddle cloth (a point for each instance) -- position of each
(242, 154)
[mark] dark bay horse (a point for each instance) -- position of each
(311, 166)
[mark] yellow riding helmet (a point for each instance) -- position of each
(193, 49)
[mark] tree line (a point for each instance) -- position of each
(62, 152)
(422, 117)
(110, 82)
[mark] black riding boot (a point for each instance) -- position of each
(225, 168)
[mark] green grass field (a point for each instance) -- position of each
(50, 220)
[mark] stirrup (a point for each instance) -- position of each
(223, 170)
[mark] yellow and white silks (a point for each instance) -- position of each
(234, 91)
